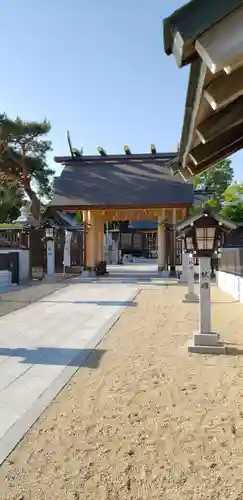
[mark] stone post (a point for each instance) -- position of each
(50, 260)
(205, 341)
(190, 295)
(184, 274)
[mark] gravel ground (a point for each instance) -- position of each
(143, 420)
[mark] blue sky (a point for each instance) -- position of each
(97, 68)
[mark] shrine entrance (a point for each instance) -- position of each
(168, 249)
(116, 188)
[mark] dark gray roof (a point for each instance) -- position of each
(141, 180)
(193, 19)
(66, 221)
(201, 196)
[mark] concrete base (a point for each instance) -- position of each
(183, 279)
(191, 297)
(207, 343)
(207, 349)
(206, 338)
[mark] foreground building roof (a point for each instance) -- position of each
(142, 180)
(209, 36)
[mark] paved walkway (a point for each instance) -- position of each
(44, 343)
(20, 296)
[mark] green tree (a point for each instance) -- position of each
(23, 163)
(234, 193)
(233, 212)
(233, 207)
(10, 203)
(212, 204)
(216, 179)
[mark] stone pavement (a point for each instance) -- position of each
(44, 343)
(20, 296)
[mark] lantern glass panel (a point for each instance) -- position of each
(49, 232)
(189, 243)
(205, 238)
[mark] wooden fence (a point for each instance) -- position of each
(231, 261)
(34, 242)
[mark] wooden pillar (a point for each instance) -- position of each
(100, 239)
(91, 240)
(85, 221)
(173, 244)
(102, 223)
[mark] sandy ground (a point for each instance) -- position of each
(143, 420)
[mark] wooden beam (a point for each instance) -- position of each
(221, 121)
(225, 89)
(194, 94)
(207, 164)
(204, 151)
(222, 44)
(233, 67)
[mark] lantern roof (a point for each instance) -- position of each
(226, 224)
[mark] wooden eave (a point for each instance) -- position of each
(188, 23)
(127, 213)
(212, 128)
(76, 208)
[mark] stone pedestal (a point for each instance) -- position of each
(191, 297)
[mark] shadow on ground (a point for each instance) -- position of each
(56, 356)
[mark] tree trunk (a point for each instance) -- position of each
(20, 163)
(35, 202)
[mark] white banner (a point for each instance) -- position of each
(67, 249)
